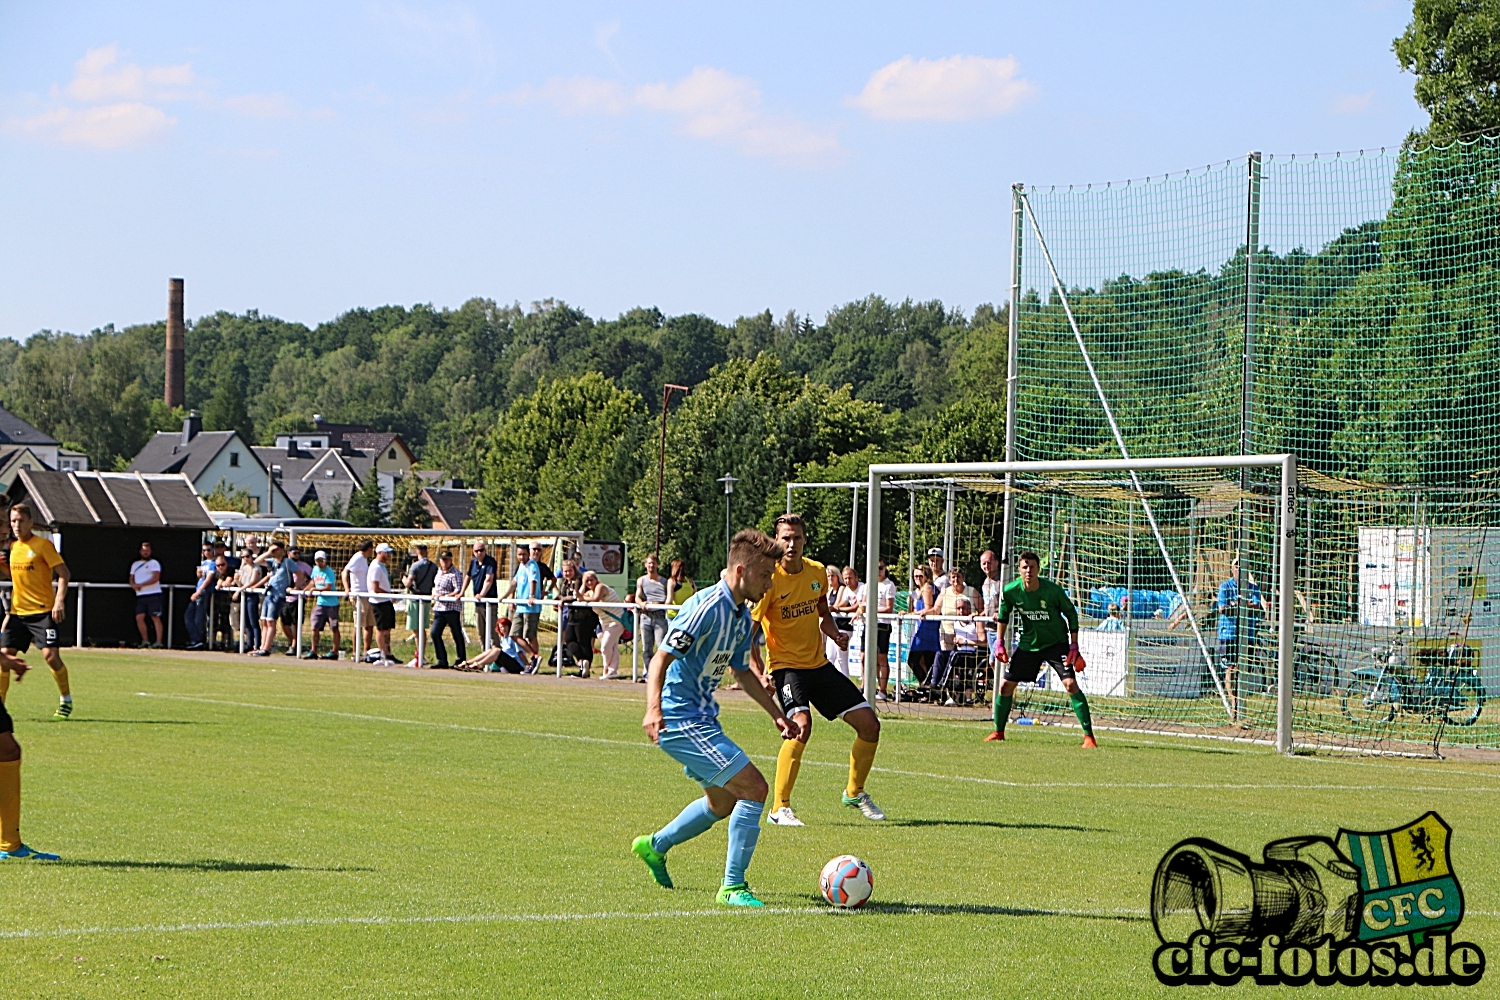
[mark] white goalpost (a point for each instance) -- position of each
(1121, 480)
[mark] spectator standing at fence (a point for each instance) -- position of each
(611, 624)
(569, 580)
(841, 603)
(221, 631)
(145, 580)
(277, 580)
(925, 641)
(418, 580)
(37, 605)
(250, 576)
(583, 622)
(301, 575)
(679, 585)
(447, 588)
(507, 653)
(382, 606)
(935, 569)
(356, 573)
(528, 587)
(482, 572)
(885, 604)
(651, 624)
(322, 582)
(195, 615)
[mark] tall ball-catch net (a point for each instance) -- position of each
(1345, 309)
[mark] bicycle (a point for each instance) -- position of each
(1450, 691)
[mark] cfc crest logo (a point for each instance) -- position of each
(1372, 908)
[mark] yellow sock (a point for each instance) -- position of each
(4, 684)
(861, 759)
(788, 763)
(61, 676)
(10, 805)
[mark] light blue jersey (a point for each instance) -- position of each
(710, 634)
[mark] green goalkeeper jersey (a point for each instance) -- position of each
(1044, 616)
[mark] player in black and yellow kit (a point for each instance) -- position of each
(1047, 623)
(37, 608)
(794, 619)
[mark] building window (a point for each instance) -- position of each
(392, 455)
(234, 460)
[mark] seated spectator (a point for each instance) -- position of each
(611, 624)
(960, 650)
(145, 580)
(447, 588)
(325, 614)
(508, 654)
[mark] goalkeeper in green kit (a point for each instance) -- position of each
(1047, 627)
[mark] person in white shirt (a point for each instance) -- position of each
(382, 610)
(885, 604)
(935, 569)
(145, 580)
(841, 603)
(356, 573)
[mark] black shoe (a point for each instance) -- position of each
(195, 645)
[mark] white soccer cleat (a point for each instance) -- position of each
(785, 817)
(867, 806)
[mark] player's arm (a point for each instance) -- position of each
(828, 627)
(656, 675)
(762, 696)
(1002, 627)
(60, 600)
(1070, 615)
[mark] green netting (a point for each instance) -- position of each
(1372, 308)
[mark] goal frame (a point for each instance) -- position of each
(1287, 527)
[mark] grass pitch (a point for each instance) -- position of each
(270, 829)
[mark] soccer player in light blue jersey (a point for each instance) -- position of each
(712, 633)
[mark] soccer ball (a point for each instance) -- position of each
(847, 882)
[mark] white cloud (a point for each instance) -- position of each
(107, 126)
(260, 106)
(707, 104)
(953, 89)
(604, 33)
(99, 76)
(1353, 104)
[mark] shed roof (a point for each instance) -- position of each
(111, 499)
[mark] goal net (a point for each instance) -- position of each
(1240, 598)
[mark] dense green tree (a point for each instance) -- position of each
(408, 510)
(564, 457)
(225, 409)
(1453, 48)
(366, 505)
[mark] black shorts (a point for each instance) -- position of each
(148, 604)
(289, 614)
(883, 638)
(23, 630)
(1025, 664)
(823, 688)
(385, 615)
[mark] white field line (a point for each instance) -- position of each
(642, 744)
(936, 909)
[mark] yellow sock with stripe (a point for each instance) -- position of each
(788, 763)
(10, 805)
(861, 759)
(61, 676)
(4, 684)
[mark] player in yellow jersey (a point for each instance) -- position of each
(794, 619)
(36, 606)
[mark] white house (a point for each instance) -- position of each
(208, 458)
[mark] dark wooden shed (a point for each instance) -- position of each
(98, 520)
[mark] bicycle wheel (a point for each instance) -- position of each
(1367, 703)
(1464, 702)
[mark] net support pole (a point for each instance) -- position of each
(1135, 481)
(853, 527)
(872, 575)
(1247, 361)
(1012, 379)
(1286, 608)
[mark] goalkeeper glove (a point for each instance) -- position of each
(1001, 653)
(1075, 659)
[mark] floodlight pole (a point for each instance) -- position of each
(661, 462)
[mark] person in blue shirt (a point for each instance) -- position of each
(1236, 623)
(529, 587)
(711, 633)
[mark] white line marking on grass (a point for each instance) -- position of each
(936, 909)
(1200, 786)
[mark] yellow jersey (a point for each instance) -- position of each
(789, 616)
(31, 564)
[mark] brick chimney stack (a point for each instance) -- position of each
(175, 396)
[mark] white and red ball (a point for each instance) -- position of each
(847, 882)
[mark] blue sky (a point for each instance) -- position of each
(303, 159)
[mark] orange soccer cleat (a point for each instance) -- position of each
(1088, 743)
(996, 737)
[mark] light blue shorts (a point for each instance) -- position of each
(705, 753)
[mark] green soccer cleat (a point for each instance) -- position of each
(865, 805)
(641, 848)
(25, 852)
(64, 710)
(738, 895)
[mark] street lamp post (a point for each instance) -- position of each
(728, 482)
